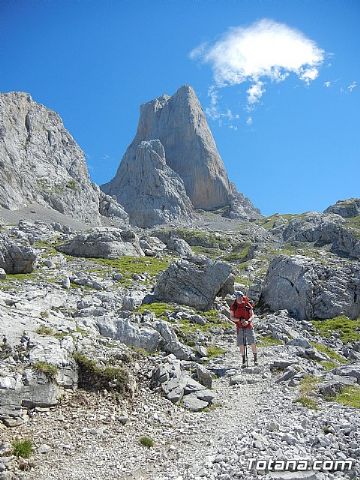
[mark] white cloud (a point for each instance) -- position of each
(255, 92)
(213, 111)
(263, 51)
(249, 121)
(327, 84)
(352, 86)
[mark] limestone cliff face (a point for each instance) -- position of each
(151, 192)
(180, 125)
(40, 162)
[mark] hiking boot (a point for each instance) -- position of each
(255, 359)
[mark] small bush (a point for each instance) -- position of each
(146, 441)
(94, 377)
(45, 331)
(47, 368)
(22, 448)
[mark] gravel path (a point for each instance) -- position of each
(85, 438)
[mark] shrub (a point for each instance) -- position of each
(45, 331)
(22, 448)
(146, 441)
(47, 368)
(94, 377)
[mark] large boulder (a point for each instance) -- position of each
(41, 163)
(16, 258)
(346, 208)
(125, 331)
(103, 243)
(150, 191)
(309, 289)
(171, 343)
(180, 124)
(194, 282)
(322, 229)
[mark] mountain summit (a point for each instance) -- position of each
(179, 123)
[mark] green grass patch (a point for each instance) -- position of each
(307, 402)
(72, 184)
(212, 406)
(128, 266)
(308, 384)
(349, 330)
(268, 341)
(50, 332)
(146, 441)
(95, 378)
(215, 351)
(307, 388)
(329, 352)
(269, 222)
(238, 255)
(22, 448)
(210, 252)
(45, 331)
(158, 308)
(349, 396)
(243, 280)
(47, 368)
(329, 365)
(20, 277)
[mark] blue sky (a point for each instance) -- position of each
(294, 147)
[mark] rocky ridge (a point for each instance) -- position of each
(41, 163)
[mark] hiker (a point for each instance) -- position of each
(241, 313)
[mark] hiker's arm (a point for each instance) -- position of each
(232, 318)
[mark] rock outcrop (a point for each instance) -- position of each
(41, 163)
(309, 289)
(151, 192)
(322, 229)
(195, 283)
(16, 258)
(346, 208)
(179, 123)
(103, 243)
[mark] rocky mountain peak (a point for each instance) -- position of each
(190, 150)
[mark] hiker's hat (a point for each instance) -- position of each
(239, 293)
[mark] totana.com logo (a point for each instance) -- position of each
(300, 465)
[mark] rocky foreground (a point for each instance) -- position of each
(118, 358)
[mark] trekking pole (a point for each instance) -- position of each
(245, 348)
